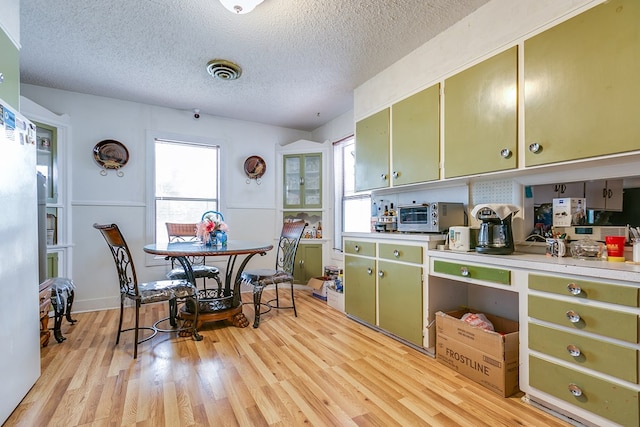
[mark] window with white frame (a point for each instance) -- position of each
(186, 182)
(353, 209)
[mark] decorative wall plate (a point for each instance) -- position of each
(110, 154)
(255, 167)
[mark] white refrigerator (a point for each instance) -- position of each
(19, 319)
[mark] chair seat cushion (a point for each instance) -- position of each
(265, 277)
(199, 271)
(164, 290)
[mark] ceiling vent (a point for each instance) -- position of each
(223, 69)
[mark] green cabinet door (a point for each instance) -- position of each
(581, 85)
(415, 138)
(372, 151)
(480, 117)
(10, 69)
(360, 288)
(400, 300)
(308, 262)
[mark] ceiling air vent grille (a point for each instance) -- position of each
(223, 69)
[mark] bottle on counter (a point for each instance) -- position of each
(392, 212)
(319, 231)
(313, 232)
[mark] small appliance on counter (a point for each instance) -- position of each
(463, 239)
(430, 217)
(496, 234)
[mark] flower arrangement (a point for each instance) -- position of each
(209, 227)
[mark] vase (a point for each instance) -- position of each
(211, 240)
(220, 238)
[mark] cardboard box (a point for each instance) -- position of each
(488, 358)
(335, 299)
(319, 287)
(569, 211)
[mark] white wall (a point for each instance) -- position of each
(10, 19)
(249, 209)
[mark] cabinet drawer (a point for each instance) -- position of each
(607, 399)
(597, 291)
(602, 356)
(610, 323)
(360, 248)
(406, 253)
(495, 275)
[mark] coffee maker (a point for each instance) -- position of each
(496, 234)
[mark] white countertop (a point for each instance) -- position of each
(544, 264)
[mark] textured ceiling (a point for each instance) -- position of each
(301, 59)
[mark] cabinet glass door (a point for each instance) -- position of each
(312, 181)
(46, 157)
(292, 181)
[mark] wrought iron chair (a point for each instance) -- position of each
(283, 273)
(179, 232)
(173, 291)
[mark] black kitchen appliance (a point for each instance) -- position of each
(496, 234)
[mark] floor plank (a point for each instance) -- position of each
(318, 369)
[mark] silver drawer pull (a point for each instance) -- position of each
(369, 271)
(575, 390)
(574, 289)
(573, 350)
(505, 153)
(396, 253)
(573, 316)
(356, 248)
(380, 273)
(464, 271)
(535, 148)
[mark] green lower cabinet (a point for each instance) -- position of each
(360, 288)
(52, 264)
(308, 262)
(400, 300)
(597, 395)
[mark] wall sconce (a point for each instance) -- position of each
(240, 6)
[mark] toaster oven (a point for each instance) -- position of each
(430, 217)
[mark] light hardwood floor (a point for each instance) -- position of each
(319, 369)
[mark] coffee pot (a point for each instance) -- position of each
(496, 234)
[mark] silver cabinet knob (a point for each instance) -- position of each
(395, 174)
(574, 350)
(535, 148)
(1, 78)
(575, 390)
(369, 271)
(356, 248)
(396, 253)
(573, 316)
(574, 289)
(383, 176)
(505, 153)
(380, 273)
(464, 271)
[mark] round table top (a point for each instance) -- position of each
(234, 247)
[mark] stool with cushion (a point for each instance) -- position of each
(181, 232)
(283, 272)
(173, 291)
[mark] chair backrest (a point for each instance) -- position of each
(180, 232)
(121, 256)
(288, 245)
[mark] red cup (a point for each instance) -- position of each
(615, 248)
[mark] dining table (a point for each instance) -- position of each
(215, 304)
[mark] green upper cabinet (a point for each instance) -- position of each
(302, 181)
(581, 85)
(481, 115)
(372, 151)
(10, 69)
(415, 138)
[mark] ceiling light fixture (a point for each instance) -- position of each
(240, 6)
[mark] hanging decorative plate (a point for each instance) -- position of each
(110, 154)
(255, 167)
